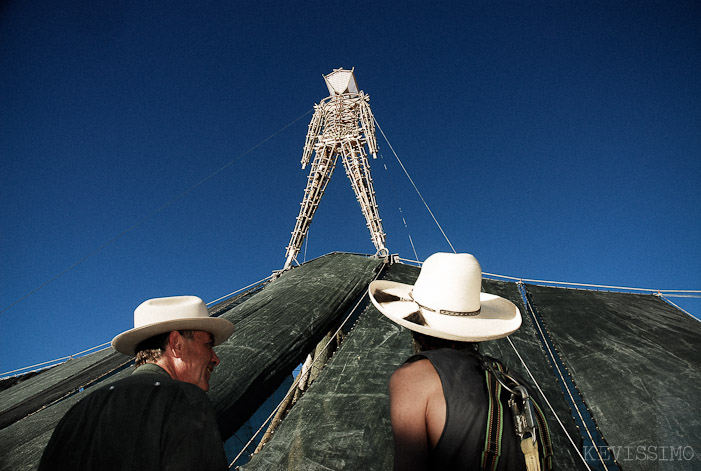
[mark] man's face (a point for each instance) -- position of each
(198, 359)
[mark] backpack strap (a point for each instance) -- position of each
(531, 425)
(544, 437)
(495, 418)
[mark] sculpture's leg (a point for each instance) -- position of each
(319, 176)
(355, 161)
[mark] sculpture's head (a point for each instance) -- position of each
(341, 81)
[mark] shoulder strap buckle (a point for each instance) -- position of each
(522, 413)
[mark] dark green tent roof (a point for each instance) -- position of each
(623, 368)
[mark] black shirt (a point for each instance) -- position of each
(147, 421)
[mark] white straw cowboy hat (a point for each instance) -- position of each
(161, 315)
(447, 295)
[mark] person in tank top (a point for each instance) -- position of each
(438, 397)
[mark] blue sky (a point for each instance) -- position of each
(553, 140)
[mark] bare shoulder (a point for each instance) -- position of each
(421, 367)
(412, 388)
(414, 376)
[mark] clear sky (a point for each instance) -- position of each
(554, 140)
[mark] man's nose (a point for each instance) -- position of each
(215, 358)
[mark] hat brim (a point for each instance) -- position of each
(126, 342)
(498, 317)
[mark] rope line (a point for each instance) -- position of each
(590, 285)
(664, 298)
(69, 357)
(401, 212)
(299, 376)
(150, 215)
(415, 188)
(661, 292)
(411, 241)
(240, 289)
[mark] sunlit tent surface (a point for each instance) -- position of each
(633, 359)
(637, 363)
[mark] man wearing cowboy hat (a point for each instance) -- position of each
(159, 417)
(439, 399)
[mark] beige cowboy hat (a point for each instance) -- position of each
(446, 301)
(161, 315)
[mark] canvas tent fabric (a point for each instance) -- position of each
(636, 361)
(277, 327)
